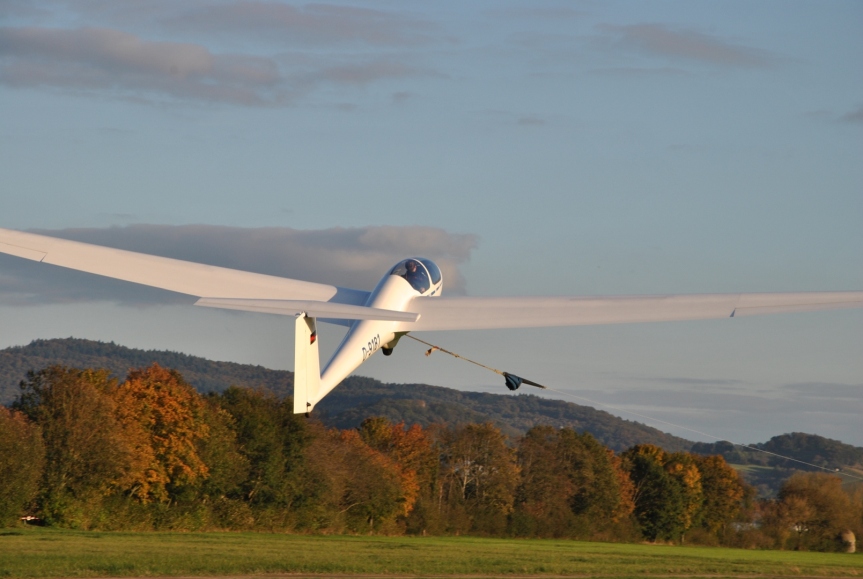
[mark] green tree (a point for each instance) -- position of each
(543, 498)
(221, 492)
(601, 494)
(273, 442)
(86, 452)
(220, 451)
(683, 468)
(660, 502)
(22, 456)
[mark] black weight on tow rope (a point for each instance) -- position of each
(513, 381)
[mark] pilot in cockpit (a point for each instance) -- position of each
(416, 277)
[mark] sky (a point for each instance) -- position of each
(530, 148)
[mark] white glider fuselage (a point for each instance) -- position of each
(394, 292)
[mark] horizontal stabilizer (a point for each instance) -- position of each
(312, 309)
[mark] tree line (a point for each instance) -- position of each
(80, 449)
(347, 406)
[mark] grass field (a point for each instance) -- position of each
(59, 553)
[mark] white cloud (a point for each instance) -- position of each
(112, 61)
(688, 44)
(315, 24)
(119, 64)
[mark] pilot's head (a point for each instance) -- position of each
(411, 266)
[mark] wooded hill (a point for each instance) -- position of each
(767, 471)
(360, 397)
(349, 404)
(809, 448)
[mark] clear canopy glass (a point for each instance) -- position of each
(416, 272)
(433, 270)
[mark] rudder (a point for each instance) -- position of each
(307, 365)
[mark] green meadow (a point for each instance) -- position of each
(26, 552)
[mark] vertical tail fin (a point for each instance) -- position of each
(307, 365)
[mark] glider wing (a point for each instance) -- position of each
(469, 313)
(184, 277)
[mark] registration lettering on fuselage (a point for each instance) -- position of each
(372, 346)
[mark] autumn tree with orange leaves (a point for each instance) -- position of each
(163, 420)
(811, 512)
(411, 449)
(362, 489)
(571, 486)
(725, 493)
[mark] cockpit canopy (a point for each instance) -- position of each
(420, 272)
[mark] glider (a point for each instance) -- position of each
(407, 299)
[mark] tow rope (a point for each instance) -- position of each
(512, 381)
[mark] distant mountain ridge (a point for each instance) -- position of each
(356, 399)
